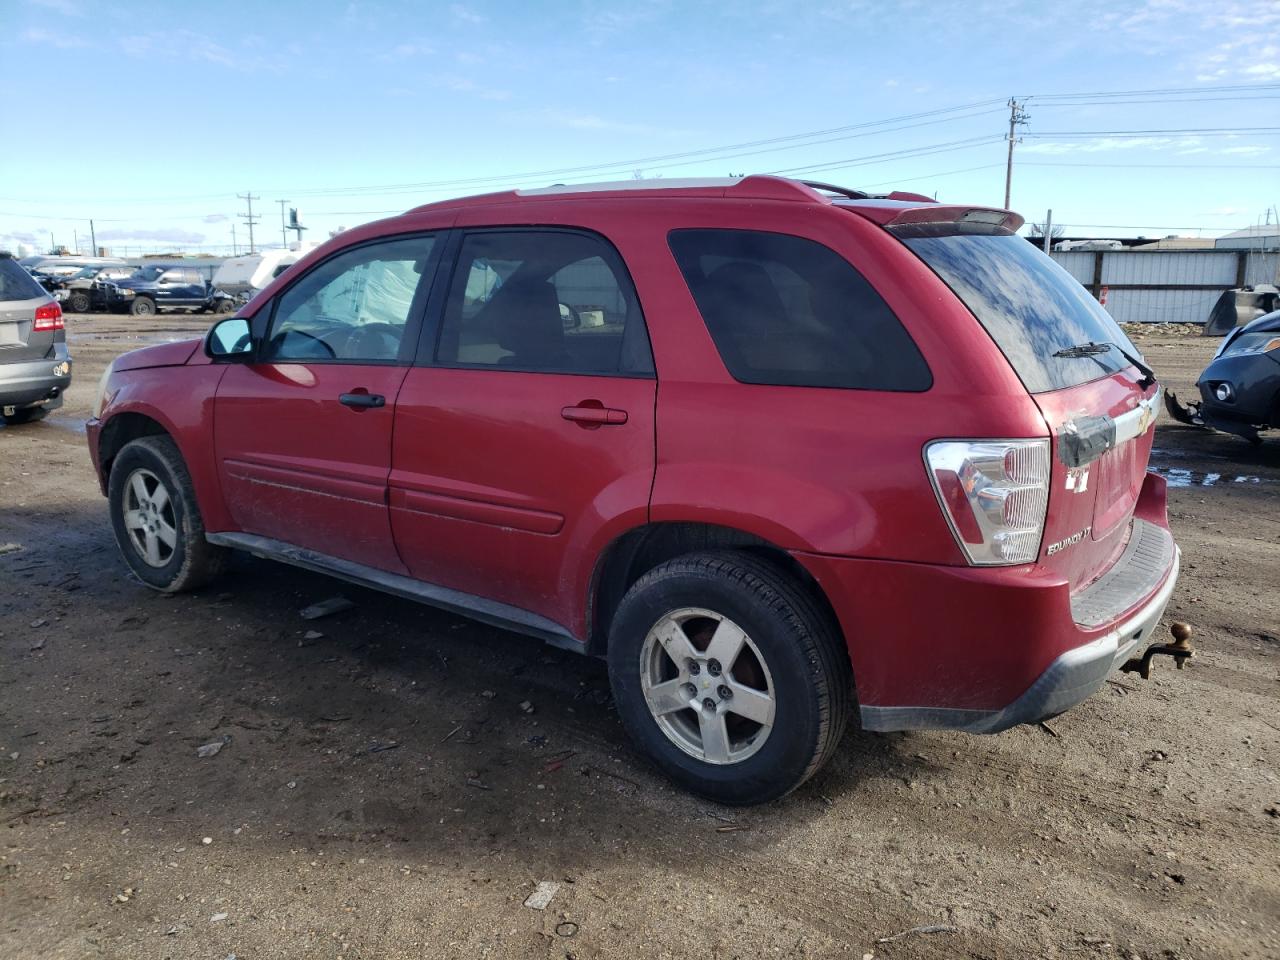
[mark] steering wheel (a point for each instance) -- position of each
(332, 355)
(386, 336)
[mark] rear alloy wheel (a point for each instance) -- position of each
(729, 676)
(79, 302)
(142, 307)
(156, 518)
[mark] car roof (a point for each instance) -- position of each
(881, 208)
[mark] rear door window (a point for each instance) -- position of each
(16, 283)
(789, 311)
(1029, 305)
(543, 301)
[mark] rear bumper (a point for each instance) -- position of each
(1072, 678)
(30, 382)
(983, 649)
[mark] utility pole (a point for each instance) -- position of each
(1048, 231)
(235, 251)
(249, 218)
(1017, 116)
(93, 238)
(284, 235)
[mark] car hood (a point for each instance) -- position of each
(1264, 324)
(161, 355)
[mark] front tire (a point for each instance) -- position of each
(729, 676)
(142, 307)
(79, 302)
(156, 518)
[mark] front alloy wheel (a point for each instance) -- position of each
(156, 517)
(149, 518)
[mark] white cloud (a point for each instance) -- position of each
(66, 7)
(466, 14)
(62, 41)
(465, 85)
(162, 234)
(216, 218)
(1244, 151)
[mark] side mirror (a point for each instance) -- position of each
(230, 339)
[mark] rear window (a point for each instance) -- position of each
(791, 312)
(1028, 304)
(16, 283)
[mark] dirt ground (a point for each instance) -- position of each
(382, 792)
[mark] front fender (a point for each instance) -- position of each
(182, 404)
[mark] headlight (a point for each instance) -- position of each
(1253, 343)
(100, 401)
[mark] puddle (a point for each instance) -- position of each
(1180, 477)
(139, 338)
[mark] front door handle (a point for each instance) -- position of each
(592, 413)
(362, 401)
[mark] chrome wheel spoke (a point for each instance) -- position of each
(167, 534)
(726, 643)
(160, 499)
(755, 705)
(152, 549)
(715, 736)
(676, 642)
(668, 697)
(139, 486)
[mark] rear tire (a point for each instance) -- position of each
(25, 415)
(744, 730)
(156, 518)
(142, 307)
(79, 303)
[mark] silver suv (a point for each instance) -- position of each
(35, 367)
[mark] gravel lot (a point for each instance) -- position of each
(382, 793)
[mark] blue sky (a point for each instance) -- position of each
(151, 117)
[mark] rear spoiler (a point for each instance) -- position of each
(897, 213)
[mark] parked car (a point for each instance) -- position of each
(1235, 308)
(1240, 388)
(86, 289)
(748, 440)
(35, 367)
(157, 287)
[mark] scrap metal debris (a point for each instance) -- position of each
(542, 894)
(325, 608)
(211, 749)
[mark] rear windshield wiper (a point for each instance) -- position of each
(1093, 348)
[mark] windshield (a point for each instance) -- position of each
(1033, 309)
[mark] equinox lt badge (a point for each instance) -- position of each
(1070, 541)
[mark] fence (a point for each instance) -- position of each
(1166, 286)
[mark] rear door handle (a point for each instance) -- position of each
(362, 401)
(590, 414)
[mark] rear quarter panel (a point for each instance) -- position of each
(823, 470)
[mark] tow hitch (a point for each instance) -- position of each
(1180, 650)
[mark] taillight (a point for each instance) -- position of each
(994, 494)
(48, 317)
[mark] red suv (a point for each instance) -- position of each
(753, 441)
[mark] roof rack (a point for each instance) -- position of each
(841, 191)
